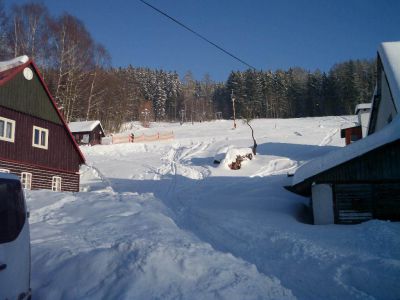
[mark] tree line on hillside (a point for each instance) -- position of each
(301, 93)
(85, 86)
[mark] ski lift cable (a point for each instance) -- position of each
(197, 34)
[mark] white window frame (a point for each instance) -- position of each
(3, 137)
(4, 171)
(26, 180)
(56, 184)
(46, 141)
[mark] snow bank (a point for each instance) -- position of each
(104, 245)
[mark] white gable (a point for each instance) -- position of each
(390, 56)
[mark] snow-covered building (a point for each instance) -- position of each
(361, 181)
(87, 132)
(35, 142)
(360, 130)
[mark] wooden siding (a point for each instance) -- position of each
(61, 153)
(377, 166)
(42, 178)
(29, 97)
(355, 203)
(95, 136)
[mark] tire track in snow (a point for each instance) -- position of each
(177, 156)
(339, 278)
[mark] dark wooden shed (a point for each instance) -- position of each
(87, 132)
(35, 142)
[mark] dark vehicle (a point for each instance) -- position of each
(14, 240)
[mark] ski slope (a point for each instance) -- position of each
(160, 221)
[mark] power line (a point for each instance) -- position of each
(197, 34)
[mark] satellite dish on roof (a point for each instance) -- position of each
(28, 74)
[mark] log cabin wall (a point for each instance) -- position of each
(42, 178)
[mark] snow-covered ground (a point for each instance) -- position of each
(160, 221)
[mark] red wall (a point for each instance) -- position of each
(60, 155)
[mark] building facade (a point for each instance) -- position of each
(35, 142)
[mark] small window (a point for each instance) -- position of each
(4, 171)
(12, 210)
(26, 180)
(56, 184)
(40, 137)
(7, 130)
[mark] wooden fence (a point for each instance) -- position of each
(143, 138)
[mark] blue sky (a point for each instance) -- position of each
(313, 34)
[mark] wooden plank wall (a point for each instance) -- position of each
(355, 203)
(377, 166)
(42, 178)
(61, 153)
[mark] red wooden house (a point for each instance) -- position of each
(35, 142)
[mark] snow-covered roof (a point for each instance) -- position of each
(362, 106)
(389, 53)
(12, 63)
(389, 133)
(84, 126)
